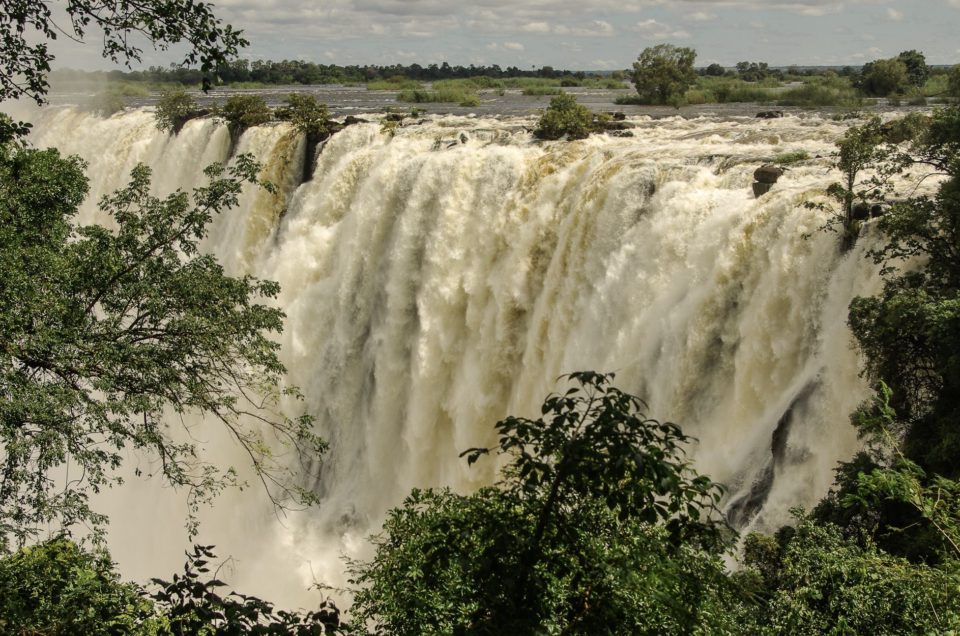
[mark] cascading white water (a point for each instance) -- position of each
(439, 279)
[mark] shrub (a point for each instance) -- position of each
(244, 111)
(541, 90)
(307, 115)
(564, 117)
(814, 95)
(445, 95)
(791, 157)
(56, 588)
(174, 109)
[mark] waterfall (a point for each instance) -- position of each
(443, 277)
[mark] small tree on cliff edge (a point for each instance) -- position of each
(663, 73)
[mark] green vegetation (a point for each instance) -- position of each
(243, 111)
(27, 25)
(174, 109)
(788, 158)
(106, 103)
(663, 73)
(564, 118)
(56, 588)
(442, 94)
(884, 77)
(596, 519)
(307, 115)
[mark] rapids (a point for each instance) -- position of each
(441, 278)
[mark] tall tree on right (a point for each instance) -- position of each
(663, 73)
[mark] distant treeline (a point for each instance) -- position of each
(300, 72)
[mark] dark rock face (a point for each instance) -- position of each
(760, 188)
(616, 125)
(350, 120)
(621, 133)
(617, 116)
(770, 114)
(393, 117)
(861, 211)
(877, 210)
(767, 173)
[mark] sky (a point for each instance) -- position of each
(579, 34)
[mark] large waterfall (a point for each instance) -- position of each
(439, 278)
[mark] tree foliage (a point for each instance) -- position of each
(597, 526)
(911, 331)
(916, 64)
(565, 117)
(242, 111)
(56, 588)
(307, 115)
(662, 73)
(881, 78)
(27, 27)
(174, 109)
(113, 329)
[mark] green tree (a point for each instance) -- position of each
(27, 26)
(58, 589)
(910, 332)
(174, 109)
(884, 77)
(917, 70)
(818, 582)
(663, 73)
(564, 117)
(242, 111)
(110, 330)
(307, 115)
(953, 82)
(598, 526)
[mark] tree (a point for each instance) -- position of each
(883, 77)
(110, 330)
(597, 526)
(174, 109)
(26, 27)
(953, 82)
(564, 117)
(910, 332)
(714, 70)
(917, 69)
(56, 588)
(242, 111)
(663, 73)
(307, 115)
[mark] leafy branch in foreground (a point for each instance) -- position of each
(597, 526)
(26, 26)
(116, 334)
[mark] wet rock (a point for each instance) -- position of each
(861, 211)
(350, 120)
(767, 173)
(616, 115)
(876, 210)
(621, 133)
(615, 125)
(770, 114)
(760, 188)
(398, 117)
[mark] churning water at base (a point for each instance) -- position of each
(439, 279)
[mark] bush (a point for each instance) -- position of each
(883, 77)
(174, 109)
(541, 90)
(244, 111)
(788, 158)
(307, 115)
(564, 117)
(56, 588)
(444, 95)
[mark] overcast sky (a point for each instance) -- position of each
(583, 34)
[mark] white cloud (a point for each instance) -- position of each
(513, 46)
(536, 27)
(659, 31)
(894, 15)
(700, 16)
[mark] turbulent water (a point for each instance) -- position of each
(441, 278)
